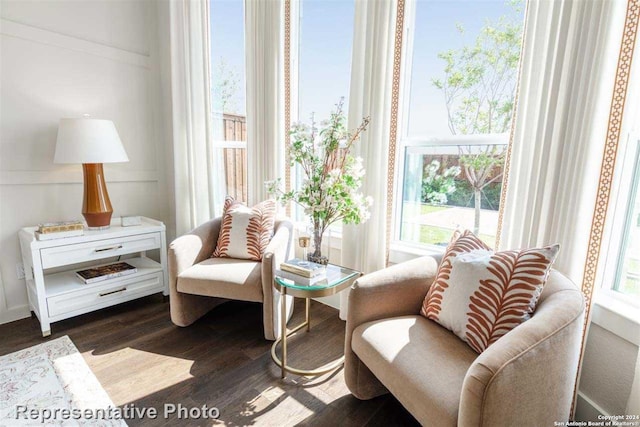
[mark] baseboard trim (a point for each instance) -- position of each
(14, 313)
(587, 409)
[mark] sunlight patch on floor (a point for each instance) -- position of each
(273, 393)
(137, 373)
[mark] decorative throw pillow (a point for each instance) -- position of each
(480, 295)
(245, 232)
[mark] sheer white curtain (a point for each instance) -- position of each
(265, 106)
(568, 68)
(364, 245)
(265, 95)
(569, 62)
(195, 195)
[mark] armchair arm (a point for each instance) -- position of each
(395, 291)
(193, 247)
(533, 366)
(277, 252)
(278, 249)
(185, 251)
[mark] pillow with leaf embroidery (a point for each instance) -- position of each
(480, 295)
(245, 232)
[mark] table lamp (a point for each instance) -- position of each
(91, 142)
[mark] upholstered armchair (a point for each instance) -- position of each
(198, 282)
(525, 378)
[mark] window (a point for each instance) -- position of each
(460, 73)
(324, 56)
(321, 67)
(621, 256)
(627, 279)
(622, 263)
(228, 108)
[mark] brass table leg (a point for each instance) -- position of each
(331, 366)
(307, 315)
(283, 336)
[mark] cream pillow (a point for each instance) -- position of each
(480, 295)
(245, 232)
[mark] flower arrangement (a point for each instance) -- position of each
(329, 191)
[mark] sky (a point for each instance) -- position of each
(435, 31)
(227, 44)
(326, 42)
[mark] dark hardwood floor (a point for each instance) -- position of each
(221, 361)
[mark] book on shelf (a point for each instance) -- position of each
(105, 272)
(59, 234)
(60, 227)
(303, 268)
(301, 280)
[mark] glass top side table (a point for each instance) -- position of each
(338, 279)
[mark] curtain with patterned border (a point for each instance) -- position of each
(608, 171)
(574, 78)
(568, 67)
(364, 246)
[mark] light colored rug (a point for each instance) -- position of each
(51, 384)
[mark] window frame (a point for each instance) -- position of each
(621, 211)
(216, 141)
(406, 144)
(405, 141)
(334, 232)
(631, 202)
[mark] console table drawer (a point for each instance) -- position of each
(96, 296)
(99, 249)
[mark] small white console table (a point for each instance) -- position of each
(56, 293)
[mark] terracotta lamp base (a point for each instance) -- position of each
(96, 206)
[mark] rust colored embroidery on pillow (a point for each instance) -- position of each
(260, 228)
(460, 243)
(507, 299)
(224, 239)
(253, 230)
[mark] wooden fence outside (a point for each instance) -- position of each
(235, 159)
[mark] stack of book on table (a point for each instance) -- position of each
(59, 230)
(105, 272)
(302, 272)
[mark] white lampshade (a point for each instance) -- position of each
(87, 140)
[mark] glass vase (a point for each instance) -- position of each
(316, 256)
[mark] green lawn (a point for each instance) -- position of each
(413, 209)
(630, 284)
(430, 234)
(439, 236)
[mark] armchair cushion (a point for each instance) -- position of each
(419, 361)
(245, 232)
(480, 295)
(224, 278)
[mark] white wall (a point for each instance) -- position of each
(607, 374)
(65, 59)
(610, 361)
